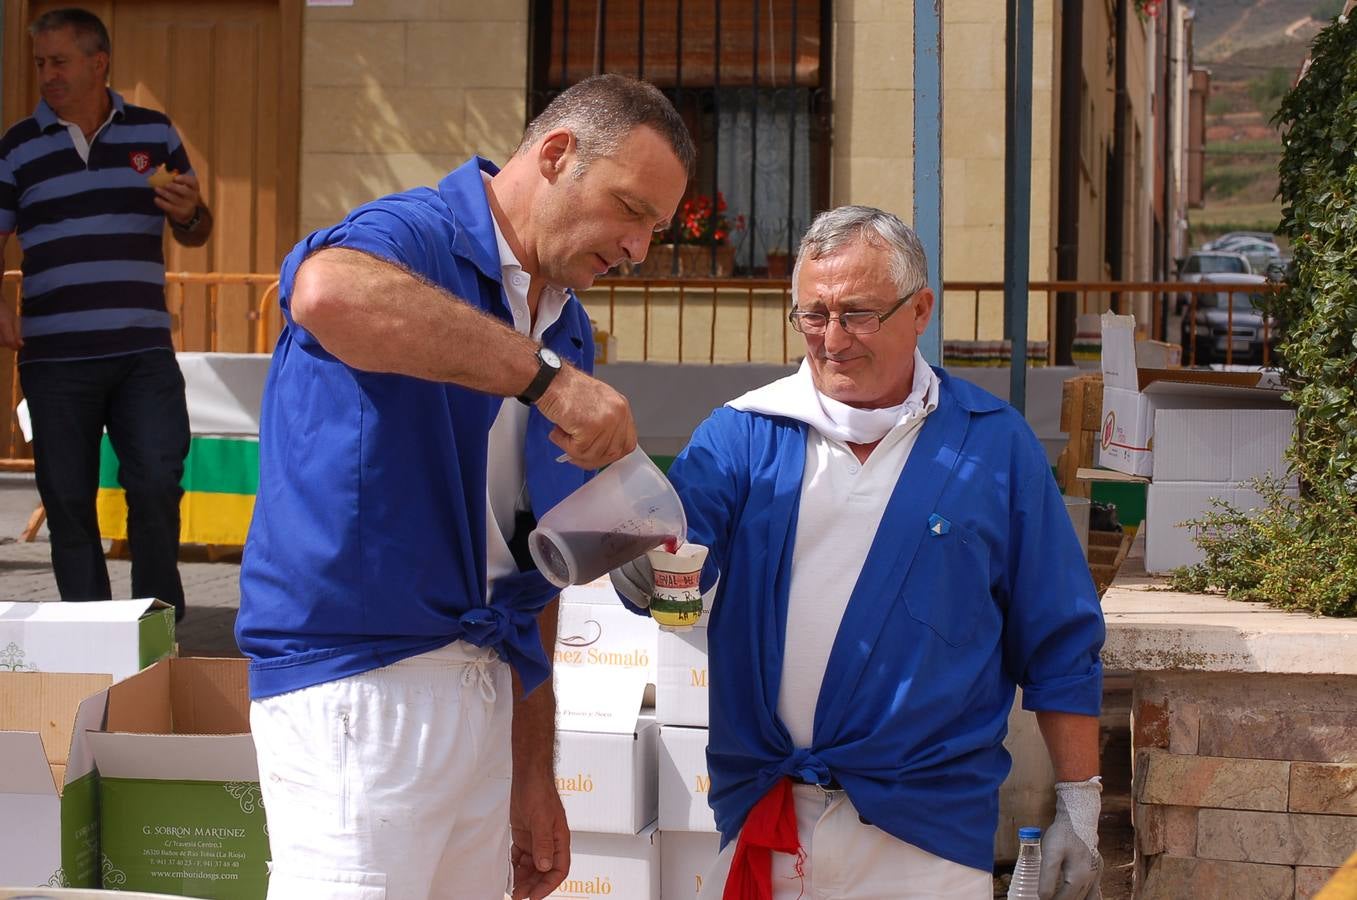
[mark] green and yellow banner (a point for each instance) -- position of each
(221, 476)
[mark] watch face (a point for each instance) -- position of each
(549, 357)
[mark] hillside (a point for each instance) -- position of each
(1224, 28)
(1253, 49)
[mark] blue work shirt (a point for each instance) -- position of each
(368, 539)
(975, 582)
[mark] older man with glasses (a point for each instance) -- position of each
(890, 556)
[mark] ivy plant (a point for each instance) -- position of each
(1301, 552)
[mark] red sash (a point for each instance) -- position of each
(770, 826)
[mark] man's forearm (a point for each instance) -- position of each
(1072, 741)
(199, 233)
(378, 317)
(534, 729)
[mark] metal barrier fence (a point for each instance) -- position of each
(732, 320)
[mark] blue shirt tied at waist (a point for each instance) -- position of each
(941, 624)
(368, 539)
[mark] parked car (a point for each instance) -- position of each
(1260, 254)
(1232, 237)
(1228, 324)
(1196, 266)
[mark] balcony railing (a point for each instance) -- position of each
(733, 320)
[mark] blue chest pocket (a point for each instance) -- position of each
(948, 587)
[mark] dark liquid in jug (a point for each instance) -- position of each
(597, 552)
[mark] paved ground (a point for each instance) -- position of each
(211, 588)
(213, 595)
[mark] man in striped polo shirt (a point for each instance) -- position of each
(94, 338)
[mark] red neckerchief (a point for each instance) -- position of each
(770, 826)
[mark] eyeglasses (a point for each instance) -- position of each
(855, 322)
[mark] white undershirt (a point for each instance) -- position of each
(506, 488)
(77, 134)
(842, 502)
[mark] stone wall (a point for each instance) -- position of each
(1245, 784)
(397, 92)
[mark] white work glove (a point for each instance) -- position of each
(1071, 868)
(634, 580)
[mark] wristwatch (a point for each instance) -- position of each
(191, 224)
(548, 367)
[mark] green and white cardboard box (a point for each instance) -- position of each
(626, 866)
(49, 826)
(179, 804)
(117, 637)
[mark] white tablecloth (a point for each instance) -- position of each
(223, 391)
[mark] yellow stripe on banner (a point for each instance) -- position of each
(204, 518)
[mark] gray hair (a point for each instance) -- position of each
(844, 226)
(89, 29)
(602, 111)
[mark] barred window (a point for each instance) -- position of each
(750, 78)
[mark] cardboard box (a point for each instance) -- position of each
(607, 779)
(114, 637)
(179, 802)
(1202, 454)
(49, 828)
(1158, 355)
(612, 865)
(595, 631)
(684, 783)
(681, 694)
(1132, 396)
(1167, 504)
(686, 858)
(1232, 445)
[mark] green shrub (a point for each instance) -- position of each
(1296, 553)
(1301, 553)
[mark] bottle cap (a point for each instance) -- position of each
(1029, 834)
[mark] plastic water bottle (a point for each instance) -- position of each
(1027, 872)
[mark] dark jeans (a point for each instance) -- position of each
(140, 400)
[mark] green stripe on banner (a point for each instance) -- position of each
(214, 466)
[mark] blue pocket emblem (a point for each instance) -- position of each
(938, 526)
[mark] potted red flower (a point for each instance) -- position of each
(703, 224)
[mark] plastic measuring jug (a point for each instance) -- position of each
(623, 511)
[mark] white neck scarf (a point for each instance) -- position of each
(795, 397)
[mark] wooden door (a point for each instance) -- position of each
(226, 73)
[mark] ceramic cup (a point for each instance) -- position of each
(676, 600)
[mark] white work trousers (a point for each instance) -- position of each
(845, 859)
(390, 784)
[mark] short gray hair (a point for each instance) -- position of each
(843, 226)
(602, 110)
(89, 29)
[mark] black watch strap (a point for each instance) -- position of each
(548, 367)
(192, 223)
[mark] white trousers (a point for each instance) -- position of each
(390, 784)
(845, 859)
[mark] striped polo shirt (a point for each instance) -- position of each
(94, 268)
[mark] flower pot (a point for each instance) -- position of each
(659, 263)
(779, 265)
(695, 260)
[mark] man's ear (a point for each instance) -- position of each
(923, 310)
(555, 152)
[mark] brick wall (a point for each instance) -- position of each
(1245, 785)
